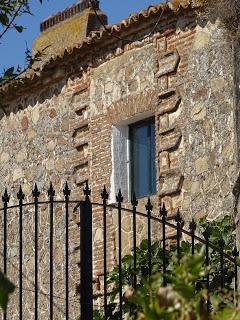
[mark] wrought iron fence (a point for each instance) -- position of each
(85, 238)
(175, 223)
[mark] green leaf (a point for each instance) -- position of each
(19, 28)
(4, 19)
(9, 72)
(6, 288)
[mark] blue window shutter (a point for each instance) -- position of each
(142, 158)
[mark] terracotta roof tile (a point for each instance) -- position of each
(174, 5)
(96, 36)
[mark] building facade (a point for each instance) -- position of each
(149, 104)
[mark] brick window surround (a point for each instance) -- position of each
(120, 154)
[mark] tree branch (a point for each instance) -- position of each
(12, 20)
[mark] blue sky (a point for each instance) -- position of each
(13, 44)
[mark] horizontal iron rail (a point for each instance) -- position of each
(112, 206)
(212, 246)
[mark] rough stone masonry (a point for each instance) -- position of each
(57, 123)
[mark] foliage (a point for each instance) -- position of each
(180, 300)
(192, 272)
(10, 11)
(6, 288)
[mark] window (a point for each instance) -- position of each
(142, 158)
(132, 149)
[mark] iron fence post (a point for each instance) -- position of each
(86, 265)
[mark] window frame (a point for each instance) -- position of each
(148, 121)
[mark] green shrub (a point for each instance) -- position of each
(181, 278)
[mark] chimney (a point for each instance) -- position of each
(67, 28)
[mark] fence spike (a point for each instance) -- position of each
(5, 197)
(206, 233)
(178, 220)
(149, 206)
(87, 191)
(163, 210)
(104, 193)
(119, 196)
(134, 200)
(193, 225)
(178, 217)
(35, 192)
(66, 190)
(20, 194)
(51, 192)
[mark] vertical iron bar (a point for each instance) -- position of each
(119, 199)
(104, 196)
(36, 195)
(221, 246)
(51, 194)
(134, 207)
(20, 197)
(86, 266)
(235, 255)
(178, 220)
(149, 208)
(193, 227)
(66, 192)
(206, 237)
(5, 199)
(163, 213)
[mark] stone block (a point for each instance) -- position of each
(198, 112)
(4, 157)
(163, 122)
(170, 182)
(35, 115)
(168, 63)
(218, 84)
(170, 103)
(98, 235)
(133, 85)
(195, 187)
(170, 140)
(163, 83)
(17, 174)
(162, 44)
(201, 40)
(201, 165)
(24, 123)
(164, 162)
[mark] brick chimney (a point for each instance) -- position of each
(67, 28)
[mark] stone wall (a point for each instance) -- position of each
(210, 165)
(45, 138)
